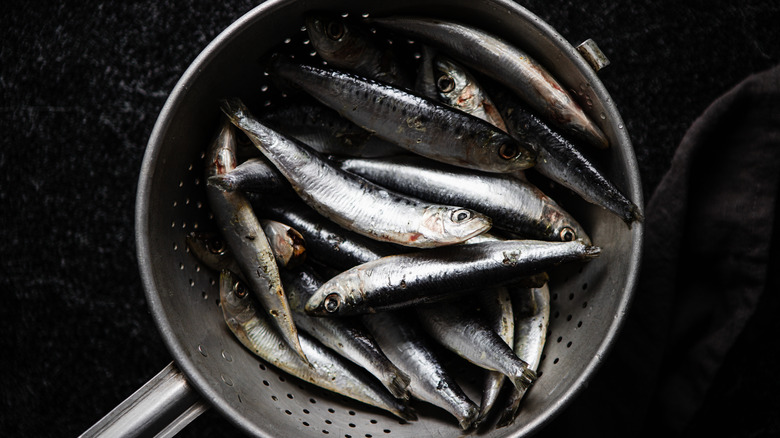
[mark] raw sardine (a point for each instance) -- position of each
(496, 308)
(419, 124)
(287, 244)
(246, 239)
(532, 318)
(324, 368)
(514, 205)
(353, 202)
(349, 46)
(505, 63)
(253, 175)
(345, 336)
(463, 332)
(423, 276)
(406, 346)
(560, 161)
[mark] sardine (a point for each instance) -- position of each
(345, 336)
(496, 309)
(424, 276)
(245, 237)
(353, 202)
(514, 205)
(326, 242)
(324, 368)
(419, 124)
(211, 250)
(459, 89)
(505, 63)
(560, 161)
(463, 332)
(349, 46)
(286, 242)
(253, 175)
(532, 318)
(325, 131)
(406, 347)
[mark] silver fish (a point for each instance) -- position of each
(458, 88)
(424, 276)
(496, 308)
(211, 250)
(463, 332)
(349, 46)
(532, 318)
(345, 336)
(406, 347)
(419, 124)
(253, 175)
(325, 131)
(560, 161)
(505, 63)
(324, 368)
(353, 202)
(246, 239)
(325, 241)
(514, 205)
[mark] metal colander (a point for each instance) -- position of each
(589, 301)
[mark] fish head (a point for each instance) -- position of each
(455, 86)
(235, 299)
(335, 40)
(337, 296)
(564, 228)
(210, 249)
(453, 224)
(508, 154)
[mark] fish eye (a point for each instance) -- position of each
(334, 30)
(332, 302)
(461, 215)
(445, 83)
(215, 245)
(508, 151)
(567, 234)
(240, 290)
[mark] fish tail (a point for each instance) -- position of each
(406, 412)
(632, 215)
(592, 251)
(397, 382)
(468, 420)
(223, 181)
(509, 413)
(524, 379)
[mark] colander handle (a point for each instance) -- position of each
(160, 408)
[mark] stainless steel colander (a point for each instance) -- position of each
(212, 369)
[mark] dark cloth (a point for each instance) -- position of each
(709, 254)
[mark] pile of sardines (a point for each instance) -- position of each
(354, 248)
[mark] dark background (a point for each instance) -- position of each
(82, 83)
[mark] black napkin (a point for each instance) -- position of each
(708, 259)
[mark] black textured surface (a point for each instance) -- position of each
(82, 83)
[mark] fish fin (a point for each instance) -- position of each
(510, 411)
(223, 182)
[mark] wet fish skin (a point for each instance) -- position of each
(325, 241)
(514, 205)
(345, 336)
(253, 175)
(421, 125)
(405, 345)
(347, 45)
(496, 308)
(532, 309)
(424, 276)
(211, 250)
(325, 131)
(246, 239)
(505, 63)
(324, 368)
(354, 202)
(463, 332)
(561, 161)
